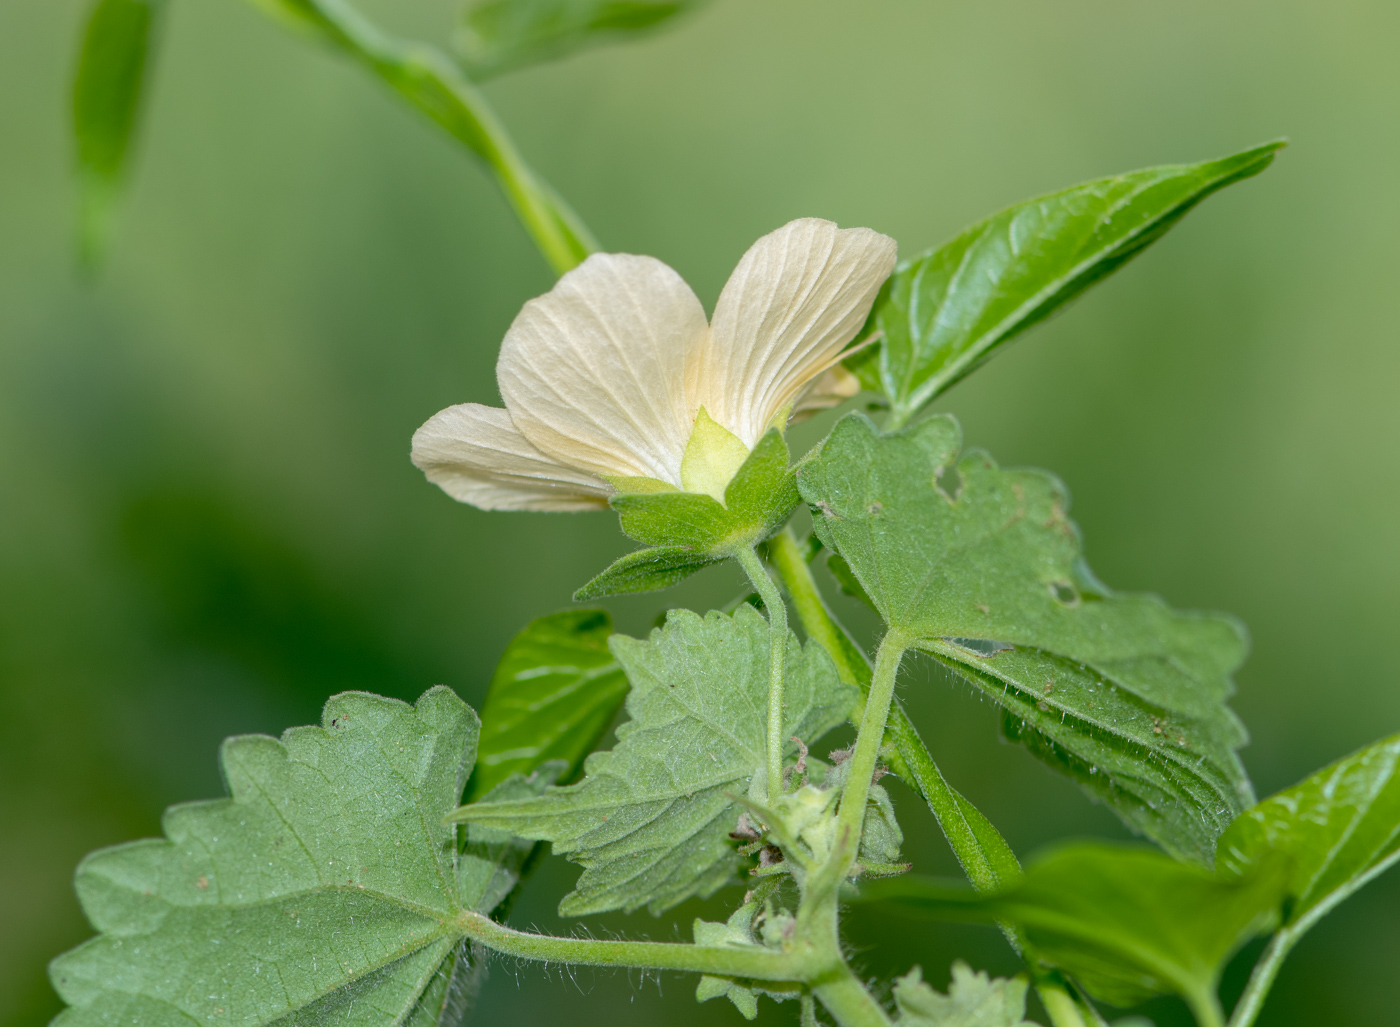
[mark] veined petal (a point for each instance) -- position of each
(831, 388)
(593, 372)
(476, 455)
(798, 296)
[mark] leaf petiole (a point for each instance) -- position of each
(777, 625)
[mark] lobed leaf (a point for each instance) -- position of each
(555, 692)
(989, 579)
(108, 91)
(947, 311)
(1339, 829)
(324, 890)
(650, 820)
(498, 35)
(973, 1000)
(1127, 923)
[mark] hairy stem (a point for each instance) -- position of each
(777, 654)
(757, 963)
(847, 1000)
(1262, 978)
(790, 563)
(426, 78)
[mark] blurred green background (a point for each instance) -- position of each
(208, 520)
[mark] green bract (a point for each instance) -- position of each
(554, 693)
(945, 312)
(685, 531)
(325, 889)
(650, 821)
(989, 579)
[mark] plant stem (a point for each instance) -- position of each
(777, 654)
(847, 1000)
(753, 962)
(1262, 979)
(426, 78)
(1205, 1007)
(817, 621)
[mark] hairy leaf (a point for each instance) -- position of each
(113, 69)
(650, 820)
(645, 570)
(497, 35)
(1340, 829)
(1127, 923)
(325, 890)
(945, 312)
(1122, 692)
(555, 692)
(973, 1000)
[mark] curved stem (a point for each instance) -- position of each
(777, 655)
(1205, 1007)
(847, 1000)
(1262, 979)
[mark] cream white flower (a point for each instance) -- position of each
(614, 381)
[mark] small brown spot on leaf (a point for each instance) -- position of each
(202, 883)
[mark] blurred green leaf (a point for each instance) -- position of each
(944, 313)
(987, 576)
(1127, 923)
(554, 694)
(650, 821)
(323, 891)
(1340, 829)
(973, 1000)
(497, 35)
(113, 68)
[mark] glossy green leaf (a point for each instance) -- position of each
(108, 92)
(1126, 923)
(1339, 829)
(973, 1000)
(555, 692)
(987, 576)
(325, 890)
(650, 821)
(944, 313)
(497, 35)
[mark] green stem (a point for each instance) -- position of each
(756, 963)
(847, 1000)
(790, 563)
(426, 78)
(1205, 1007)
(777, 654)
(1262, 979)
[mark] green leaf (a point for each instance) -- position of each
(944, 313)
(650, 821)
(1126, 923)
(497, 35)
(1122, 692)
(113, 67)
(555, 692)
(1340, 829)
(325, 890)
(973, 1000)
(645, 570)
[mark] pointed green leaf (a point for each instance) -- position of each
(324, 890)
(989, 579)
(650, 820)
(973, 1000)
(944, 313)
(113, 69)
(555, 692)
(497, 35)
(1127, 923)
(645, 570)
(1340, 829)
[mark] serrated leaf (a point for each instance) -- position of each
(990, 580)
(650, 820)
(1339, 829)
(645, 570)
(324, 890)
(555, 692)
(108, 92)
(497, 35)
(945, 312)
(973, 1000)
(1127, 923)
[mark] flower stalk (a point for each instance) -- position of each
(778, 629)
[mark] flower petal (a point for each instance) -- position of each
(593, 372)
(831, 388)
(798, 296)
(478, 456)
